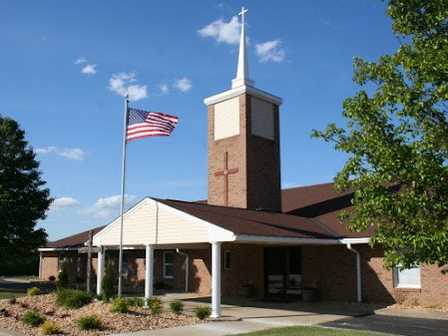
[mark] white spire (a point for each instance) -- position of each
(242, 72)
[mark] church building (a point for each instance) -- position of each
(249, 238)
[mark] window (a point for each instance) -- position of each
(168, 265)
(227, 260)
(125, 268)
(407, 278)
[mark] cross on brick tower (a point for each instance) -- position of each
(226, 172)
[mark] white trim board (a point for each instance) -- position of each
(242, 90)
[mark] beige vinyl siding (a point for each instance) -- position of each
(152, 223)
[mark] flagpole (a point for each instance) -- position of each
(123, 180)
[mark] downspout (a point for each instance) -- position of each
(187, 266)
(358, 272)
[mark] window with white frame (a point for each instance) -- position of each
(407, 278)
(168, 265)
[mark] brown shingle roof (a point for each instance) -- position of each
(308, 212)
(253, 222)
(76, 240)
(321, 203)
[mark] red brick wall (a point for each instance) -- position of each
(332, 270)
(246, 268)
(200, 271)
(377, 280)
(50, 266)
(257, 182)
(329, 268)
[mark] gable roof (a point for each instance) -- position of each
(308, 212)
(253, 222)
(323, 204)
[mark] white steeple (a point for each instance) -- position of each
(242, 84)
(242, 72)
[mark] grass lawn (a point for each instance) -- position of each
(312, 331)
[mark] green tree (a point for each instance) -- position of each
(63, 279)
(108, 282)
(23, 199)
(396, 138)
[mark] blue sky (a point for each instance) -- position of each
(64, 65)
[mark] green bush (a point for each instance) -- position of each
(32, 291)
(107, 284)
(33, 318)
(153, 300)
(63, 281)
(89, 322)
(155, 305)
(177, 307)
(202, 312)
(50, 328)
(135, 302)
(73, 298)
(119, 306)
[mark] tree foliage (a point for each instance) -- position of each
(23, 198)
(396, 138)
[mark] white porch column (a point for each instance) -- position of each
(40, 266)
(149, 271)
(216, 279)
(100, 269)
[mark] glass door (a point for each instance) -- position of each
(282, 267)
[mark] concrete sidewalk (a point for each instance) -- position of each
(239, 319)
(243, 319)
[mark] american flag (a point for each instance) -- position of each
(142, 124)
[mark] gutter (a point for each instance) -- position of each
(52, 249)
(304, 241)
(358, 272)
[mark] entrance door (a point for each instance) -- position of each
(283, 272)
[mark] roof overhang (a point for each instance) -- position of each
(299, 241)
(238, 91)
(57, 249)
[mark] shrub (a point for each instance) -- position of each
(73, 298)
(33, 318)
(119, 306)
(153, 300)
(50, 328)
(63, 281)
(135, 302)
(107, 284)
(202, 312)
(32, 291)
(177, 307)
(89, 322)
(154, 305)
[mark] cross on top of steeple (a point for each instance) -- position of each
(242, 72)
(243, 11)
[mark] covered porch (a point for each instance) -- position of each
(221, 251)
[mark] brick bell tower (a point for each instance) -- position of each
(244, 142)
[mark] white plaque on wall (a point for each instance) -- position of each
(227, 118)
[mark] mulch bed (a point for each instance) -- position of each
(137, 318)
